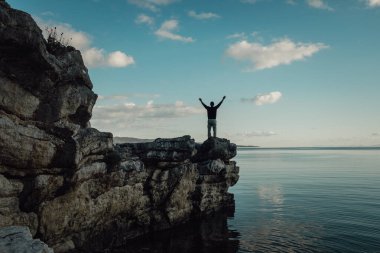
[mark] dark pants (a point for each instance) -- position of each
(211, 123)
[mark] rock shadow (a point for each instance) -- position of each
(208, 235)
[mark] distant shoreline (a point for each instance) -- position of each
(308, 148)
(138, 140)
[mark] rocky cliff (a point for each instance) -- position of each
(66, 181)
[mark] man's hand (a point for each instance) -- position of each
(200, 99)
(224, 97)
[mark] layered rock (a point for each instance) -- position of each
(175, 189)
(66, 181)
(10, 213)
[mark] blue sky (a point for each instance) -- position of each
(295, 73)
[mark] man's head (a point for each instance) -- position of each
(212, 104)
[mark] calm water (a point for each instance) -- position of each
(289, 200)
(307, 201)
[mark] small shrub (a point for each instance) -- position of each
(56, 41)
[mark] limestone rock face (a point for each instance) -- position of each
(9, 187)
(10, 213)
(53, 85)
(212, 166)
(66, 181)
(15, 239)
(163, 150)
(25, 147)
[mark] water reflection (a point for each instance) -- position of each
(208, 236)
(271, 193)
(272, 226)
(281, 235)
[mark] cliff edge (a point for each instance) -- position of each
(66, 181)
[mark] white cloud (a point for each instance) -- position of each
(257, 134)
(203, 15)
(149, 105)
(150, 110)
(151, 5)
(319, 4)
(144, 19)
(167, 29)
(144, 4)
(119, 59)
(128, 96)
(179, 103)
(291, 2)
(48, 13)
(92, 56)
(113, 97)
(263, 99)
(241, 35)
(280, 52)
(249, 1)
(122, 114)
(373, 3)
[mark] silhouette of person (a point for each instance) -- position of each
(211, 114)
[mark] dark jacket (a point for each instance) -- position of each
(211, 111)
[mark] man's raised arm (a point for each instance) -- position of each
(220, 103)
(205, 106)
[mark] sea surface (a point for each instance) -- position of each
(307, 200)
(289, 200)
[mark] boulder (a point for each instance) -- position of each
(9, 187)
(90, 144)
(211, 167)
(215, 148)
(16, 239)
